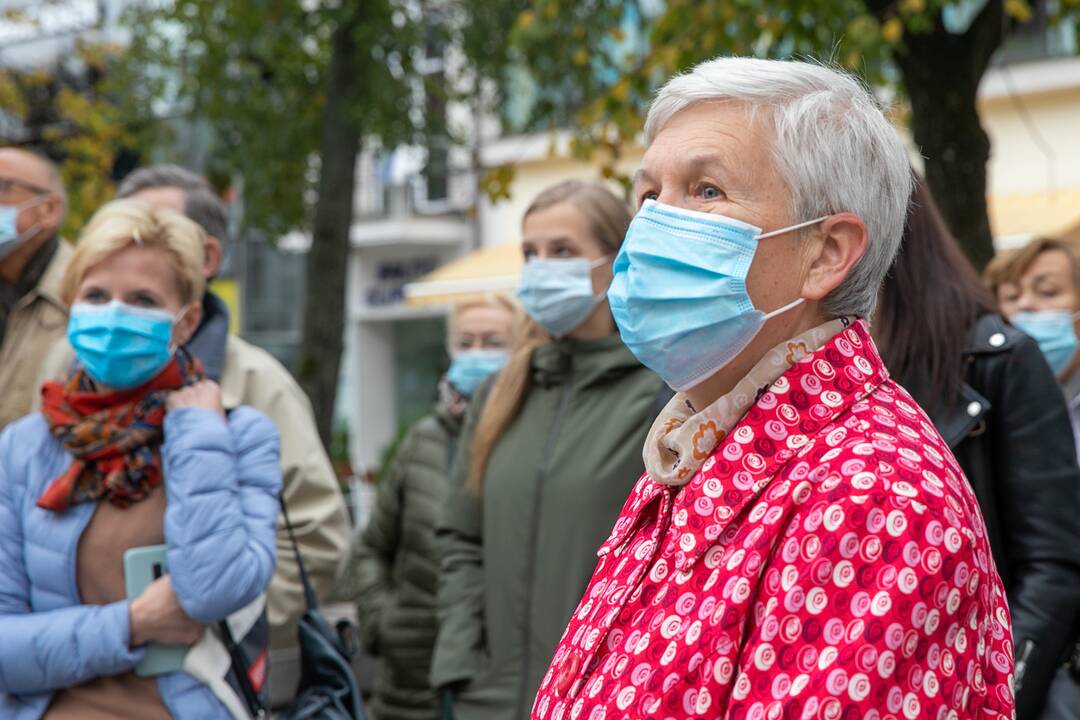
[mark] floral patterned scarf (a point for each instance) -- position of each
(114, 437)
(681, 440)
(450, 398)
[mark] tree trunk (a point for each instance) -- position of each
(339, 143)
(941, 74)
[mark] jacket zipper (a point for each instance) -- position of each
(534, 531)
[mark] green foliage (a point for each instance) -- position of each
(256, 72)
(614, 54)
(82, 113)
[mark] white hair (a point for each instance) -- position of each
(832, 145)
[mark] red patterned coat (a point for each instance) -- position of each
(828, 561)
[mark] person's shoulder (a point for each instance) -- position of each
(252, 376)
(25, 443)
(991, 334)
(250, 425)
(886, 445)
(26, 433)
(428, 428)
(246, 357)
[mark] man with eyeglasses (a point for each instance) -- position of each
(32, 261)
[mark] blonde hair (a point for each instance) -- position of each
(608, 218)
(125, 223)
(497, 301)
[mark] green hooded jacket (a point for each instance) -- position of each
(393, 571)
(515, 559)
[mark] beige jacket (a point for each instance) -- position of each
(254, 377)
(36, 322)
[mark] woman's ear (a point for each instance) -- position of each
(187, 324)
(841, 243)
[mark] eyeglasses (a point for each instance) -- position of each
(7, 184)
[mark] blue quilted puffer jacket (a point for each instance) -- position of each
(222, 481)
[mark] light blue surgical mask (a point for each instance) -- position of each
(558, 292)
(679, 292)
(1054, 330)
(10, 237)
(469, 368)
(121, 346)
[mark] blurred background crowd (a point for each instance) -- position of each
(364, 174)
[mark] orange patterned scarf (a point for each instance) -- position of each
(114, 437)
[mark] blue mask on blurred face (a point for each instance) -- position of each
(10, 237)
(558, 293)
(1054, 330)
(679, 292)
(471, 367)
(119, 345)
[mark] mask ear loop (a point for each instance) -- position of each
(781, 231)
(174, 346)
(782, 310)
(789, 228)
(26, 205)
(598, 263)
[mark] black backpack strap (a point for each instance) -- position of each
(240, 669)
(309, 591)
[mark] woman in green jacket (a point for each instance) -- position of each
(392, 575)
(549, 452)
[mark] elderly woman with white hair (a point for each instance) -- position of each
(803, 543)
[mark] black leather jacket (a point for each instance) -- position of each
(1010, 431)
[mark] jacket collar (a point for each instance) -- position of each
(208, 343)
(806, 399)
(48, 287)
(990, 335)
(960, 419)
(583, 361)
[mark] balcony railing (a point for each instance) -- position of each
(418, 196)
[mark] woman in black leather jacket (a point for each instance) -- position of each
(996, 402)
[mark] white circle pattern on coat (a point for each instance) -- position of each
(844, 576)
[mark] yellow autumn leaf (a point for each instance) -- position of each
(621, 90)
(580, 56)
(892, 30)
(1019, 10)
(526, 19)
(913, 6)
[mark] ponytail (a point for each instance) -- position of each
(504, 402)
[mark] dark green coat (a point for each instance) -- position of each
(515, 561)
(394, 569)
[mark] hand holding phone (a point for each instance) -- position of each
(156, 616)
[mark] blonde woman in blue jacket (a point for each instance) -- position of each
(133, 449)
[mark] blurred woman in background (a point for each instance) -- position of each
(995, 402)
(132, 450)
(394, 569)
(1038, 289)
(549, 451)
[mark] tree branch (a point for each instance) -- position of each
(880, 9)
